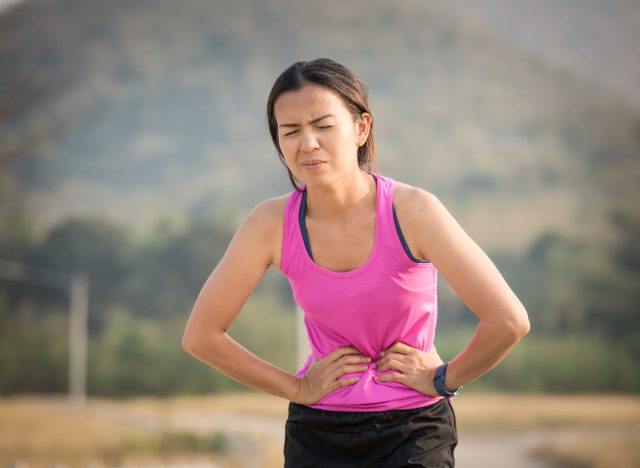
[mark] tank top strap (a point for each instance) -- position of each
(386, 187)
(393, 250)
(292, 253)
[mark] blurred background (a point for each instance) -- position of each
(133, 142)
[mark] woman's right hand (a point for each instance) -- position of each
(322, 376)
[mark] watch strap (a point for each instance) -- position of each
(438, 382)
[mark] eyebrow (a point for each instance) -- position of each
(312, 122)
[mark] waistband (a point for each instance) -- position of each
(358, 421)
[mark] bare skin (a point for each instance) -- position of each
(341, 226)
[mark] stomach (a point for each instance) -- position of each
(371, 394)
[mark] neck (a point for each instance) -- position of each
(342, 199)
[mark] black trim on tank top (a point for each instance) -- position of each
(303, 226)
(403, 241)
(305, 235)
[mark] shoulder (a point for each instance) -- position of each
(413, 201)
(269, 211)
(264, 226)
(267, 216)
(421, 215)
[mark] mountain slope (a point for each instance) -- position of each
(167, 104)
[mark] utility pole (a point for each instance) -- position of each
(77, 287)
(78, 324)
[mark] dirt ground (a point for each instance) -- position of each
(246, 430)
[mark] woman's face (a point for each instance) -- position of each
(318, 136)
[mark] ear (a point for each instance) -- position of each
(362, 128)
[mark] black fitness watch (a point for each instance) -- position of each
(438, 382)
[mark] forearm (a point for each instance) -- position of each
(490, 343)
(235, 361)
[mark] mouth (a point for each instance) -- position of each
(313, 164)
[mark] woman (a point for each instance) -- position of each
(361, 252)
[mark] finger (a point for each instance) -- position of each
(394, 355)
(392, 377)
(339, 371)
(353, 359)
(400, 347)
(344, 382)
(344, 351)
(396, 365)
(388, 356)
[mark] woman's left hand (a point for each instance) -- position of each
(415, 368)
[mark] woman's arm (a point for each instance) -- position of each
(223, 295)
(476, 280)
(252, 250)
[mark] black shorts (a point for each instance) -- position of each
(424, 436)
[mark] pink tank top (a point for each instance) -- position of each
(391, 297)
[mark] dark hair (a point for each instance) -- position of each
(336, 77)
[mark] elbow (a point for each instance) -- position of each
(187, 344)
(195, 348)
(522, 328)
(519, 324)
(199, 345)
(191, 343)
(510, 326)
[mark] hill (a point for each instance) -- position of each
(164, 111)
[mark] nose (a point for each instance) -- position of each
(309, 142)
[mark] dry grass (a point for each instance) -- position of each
(45, 430)
(243, 403)
(609, 450)
(511, 411)
(42, 430)
(474, 411)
